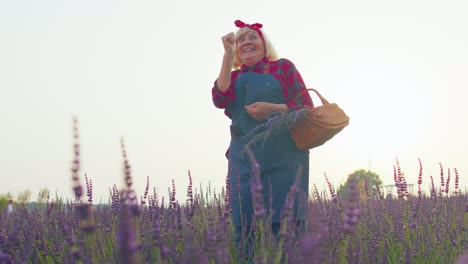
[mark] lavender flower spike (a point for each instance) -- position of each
(127, 237)
(256, 187)
(77, 188)
(352, 209)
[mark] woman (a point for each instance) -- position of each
(252, 84)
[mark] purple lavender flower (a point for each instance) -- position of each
(448, 182)
(256, 187)
(190, 190)
(366, 189)
(228, 193)
(127, 237)
(77, 188)
(462, 260)
(433, 189)
(420, 172)
(310, 246)
(287, 214)
(331, 190)
(442, 182)
(457, 179)
(172, 199)
(352, 210)
(5, 258)
(192, 253)
(379, 192)
(145, 195)
(89, 189)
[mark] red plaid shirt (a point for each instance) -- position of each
(283, 70)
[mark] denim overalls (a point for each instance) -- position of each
(279, 159)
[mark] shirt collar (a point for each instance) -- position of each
(259, 66)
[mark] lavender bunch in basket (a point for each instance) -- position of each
(310, 127)
(275, 123)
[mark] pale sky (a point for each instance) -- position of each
(143, 70)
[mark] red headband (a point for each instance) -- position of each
(256, 26)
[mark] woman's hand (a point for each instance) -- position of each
(228, 43)
(224, 78)
(260, 110)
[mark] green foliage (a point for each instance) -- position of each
(43, 195)
(24, 196)
(361, 176)
(4, 200)
(3, 203)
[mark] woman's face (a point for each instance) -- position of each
(250, 48)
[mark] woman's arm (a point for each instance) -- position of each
(224, 78)
(260, 110)
(292, 85)
(223, 92)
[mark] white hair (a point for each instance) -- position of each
(270, 51)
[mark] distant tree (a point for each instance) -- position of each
(24, 196)
(8, 196)
(3, 201)
(43, 195)
(361, 176)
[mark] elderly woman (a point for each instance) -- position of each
(253, 83)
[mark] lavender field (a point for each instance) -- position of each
(156, 228)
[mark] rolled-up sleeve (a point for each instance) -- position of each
(223, 99)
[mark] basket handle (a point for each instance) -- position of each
(324, 101)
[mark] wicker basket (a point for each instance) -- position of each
(319, 124)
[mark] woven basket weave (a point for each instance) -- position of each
(319, 124)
